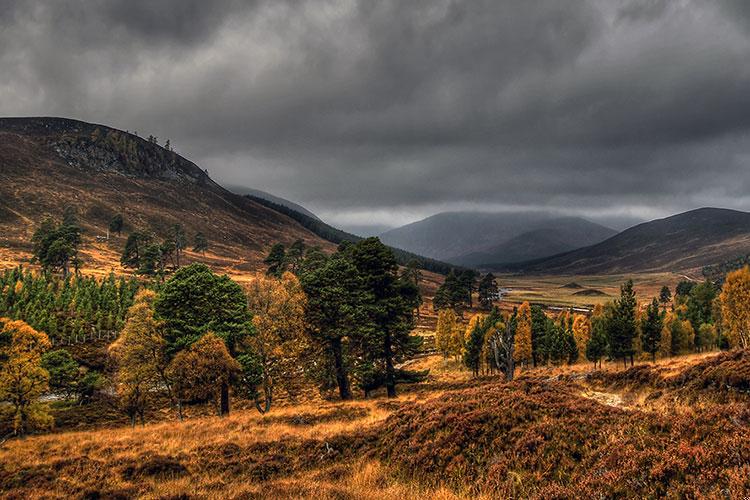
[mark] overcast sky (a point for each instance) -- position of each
(387, 111)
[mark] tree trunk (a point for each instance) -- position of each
(390, 375)
(224, 408)
(338, 362)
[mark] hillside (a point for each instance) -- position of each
(565, 432)
(556, 236)
(47, 164)
(684, 241)
(257, 193)
(474, 238)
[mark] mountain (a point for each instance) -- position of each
(337, 236)
(475, 238)
(685, 241)
(47, 164)
(257, 193)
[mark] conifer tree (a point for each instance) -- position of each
(488, 291)
(651, 327)
(276, 260)
(622, 326)
(200, 244)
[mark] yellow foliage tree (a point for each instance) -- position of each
(278, 308)
(735, 308)
(202, 371)
(581, 333)
(522, 351)
(140, 357)
(22, 378)
(665, 345)
(446, 326)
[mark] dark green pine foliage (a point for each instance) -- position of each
(56, 245)
(389, 304)
(194, 301)
(539, 327)
(455, 291)
(651, 326)
(473, 353)
(276, 260)
(488, 291)
(596, 348)
(200, 243)
(622, 327)
(66, 307)
(700, 303)
(334, 316)
(116, 224)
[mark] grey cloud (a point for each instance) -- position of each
(392, 107)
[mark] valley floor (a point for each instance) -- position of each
(680, 427)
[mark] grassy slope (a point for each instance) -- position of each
(47, 164)
(542, 436)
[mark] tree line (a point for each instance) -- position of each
(699, 317)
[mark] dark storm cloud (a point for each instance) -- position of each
(382, 111)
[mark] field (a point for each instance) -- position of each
(574, 291)
(677, 428)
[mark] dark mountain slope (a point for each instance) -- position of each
(556, 236)
(684, 241)
(472, 238)
(278, 200)
(47, 164)
(337, 236)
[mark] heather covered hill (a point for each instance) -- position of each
(684, 241)
(47, 164)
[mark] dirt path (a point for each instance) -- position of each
(605, 398)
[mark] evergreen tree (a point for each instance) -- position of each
(472, 355)
(488, 291)
(276, 260)
(622, 326)
(651, 327)
(335, 292)
(389, 308)
(596, 347)
(200, 244)
(195, 301)
(56, 246)
(665, 295)
(116, 224)
(295, 256)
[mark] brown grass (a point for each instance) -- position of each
(550, 434)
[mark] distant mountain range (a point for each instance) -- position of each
(689, 240)
(474, 239)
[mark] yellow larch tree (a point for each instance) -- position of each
(446, 325)
(735, 308)
(278, 308)
(140, 356)
(522, 351)
(22, 378)
(581, 333)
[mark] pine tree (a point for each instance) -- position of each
(488, 291)
(622, 327)
(651, 327)
(276, 260)
(200, 244)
